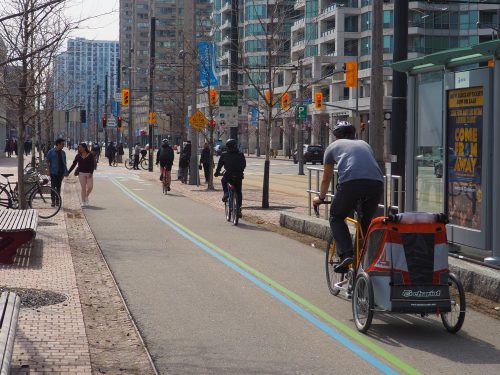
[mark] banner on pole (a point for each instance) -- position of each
(208, 63)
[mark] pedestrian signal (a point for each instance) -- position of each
(285, 101)
(351, 74)
(318, 102)
(119, 122)
(83, 116)
(125, 97)
(213, 98)
(104, 122)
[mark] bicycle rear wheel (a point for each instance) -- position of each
(145, 164)
(5, 198)
(454, 319)
(331, 261)
(129, 163)
(235, 208)
(46, 200)
(363, 302)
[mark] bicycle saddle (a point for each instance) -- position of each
(7, 175)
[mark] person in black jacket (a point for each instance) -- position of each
(111, 153)
(165, 157)
(234, 163)
(205, 161)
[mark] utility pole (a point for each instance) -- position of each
(97, 115)
(106, 110)
(130, 101)
(152, 51)
(300, 134)
(376, 130)
(88, 120)
(193, 165)
(234, 57)
(399, 86)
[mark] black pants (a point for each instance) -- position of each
(206, 169)
(237, 186)
(136, 161)
(343, 205)
(56, 182)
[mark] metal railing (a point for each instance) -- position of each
(393, 191)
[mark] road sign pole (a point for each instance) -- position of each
(300, 146)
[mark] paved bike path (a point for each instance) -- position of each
(210, 298)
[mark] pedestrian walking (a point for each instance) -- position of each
(137, 153)
(119, 153)
(26, 147)
(96, 151)
(184, 163)
(14, 147)
(84, 163)
(56, 159)
(7, 149)
(111, 153)
(205, 161)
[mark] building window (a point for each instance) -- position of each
(388, 43)
(366, 21)
(388, 19)
(366, 44)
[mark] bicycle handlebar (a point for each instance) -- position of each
(316, 207)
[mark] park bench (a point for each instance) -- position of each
(16, 228)
(9, 311)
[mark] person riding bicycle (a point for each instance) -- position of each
(359, 177)
(165, 157)
(234, 163)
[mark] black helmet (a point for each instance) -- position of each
(231, 144)
(164, 141)
(344, 129)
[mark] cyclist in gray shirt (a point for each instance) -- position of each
(359, 177)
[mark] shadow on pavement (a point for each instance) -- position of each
(429, 335)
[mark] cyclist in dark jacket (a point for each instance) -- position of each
(165, 157)
(234, 163)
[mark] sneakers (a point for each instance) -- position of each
(343, 266)
(224, 198)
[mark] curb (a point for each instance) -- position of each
(479, 280)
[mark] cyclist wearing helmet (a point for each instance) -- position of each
(234, 163)
(359, 177)
(165, 157)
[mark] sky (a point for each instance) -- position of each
(104, 26)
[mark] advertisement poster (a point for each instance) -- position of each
(465, 129)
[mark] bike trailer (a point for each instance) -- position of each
(406, 258)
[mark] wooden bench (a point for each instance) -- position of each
(9, 311)
(16, 228)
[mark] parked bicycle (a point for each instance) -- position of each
(143, 162)
(45, 199)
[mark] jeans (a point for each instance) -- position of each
(56, 182)
(237, 187)
(343, 205)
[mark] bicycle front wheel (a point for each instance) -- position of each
(145, 164)
(227, 209)
(46, 200)
(332, 260)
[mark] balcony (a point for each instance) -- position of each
(328, 32)
(226, 40)
(299, 24)
(298, 45)
(225, 25)
(299, 4)
(226, 7)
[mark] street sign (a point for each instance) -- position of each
(198, 120)
(229, 115)
(304, 101)
(228, 99)
(301, 112)
(111, 122)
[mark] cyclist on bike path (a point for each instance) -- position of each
(234, 163)
(359, 177)
(165, 157)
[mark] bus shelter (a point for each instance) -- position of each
(453, 143)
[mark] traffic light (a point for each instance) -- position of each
(104, 122)
(152, 118)
(119, 122)
(318, 101)
(269, 100)
(351, 74)
(83, 116)
(125, 97)
(213, 98)
(285, 101)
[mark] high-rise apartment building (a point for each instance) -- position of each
(79, 71)
(173, 54)
(324, 35)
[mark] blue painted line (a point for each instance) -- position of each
(305, 314)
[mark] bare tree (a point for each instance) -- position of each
(33, 31)
(271, 33)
